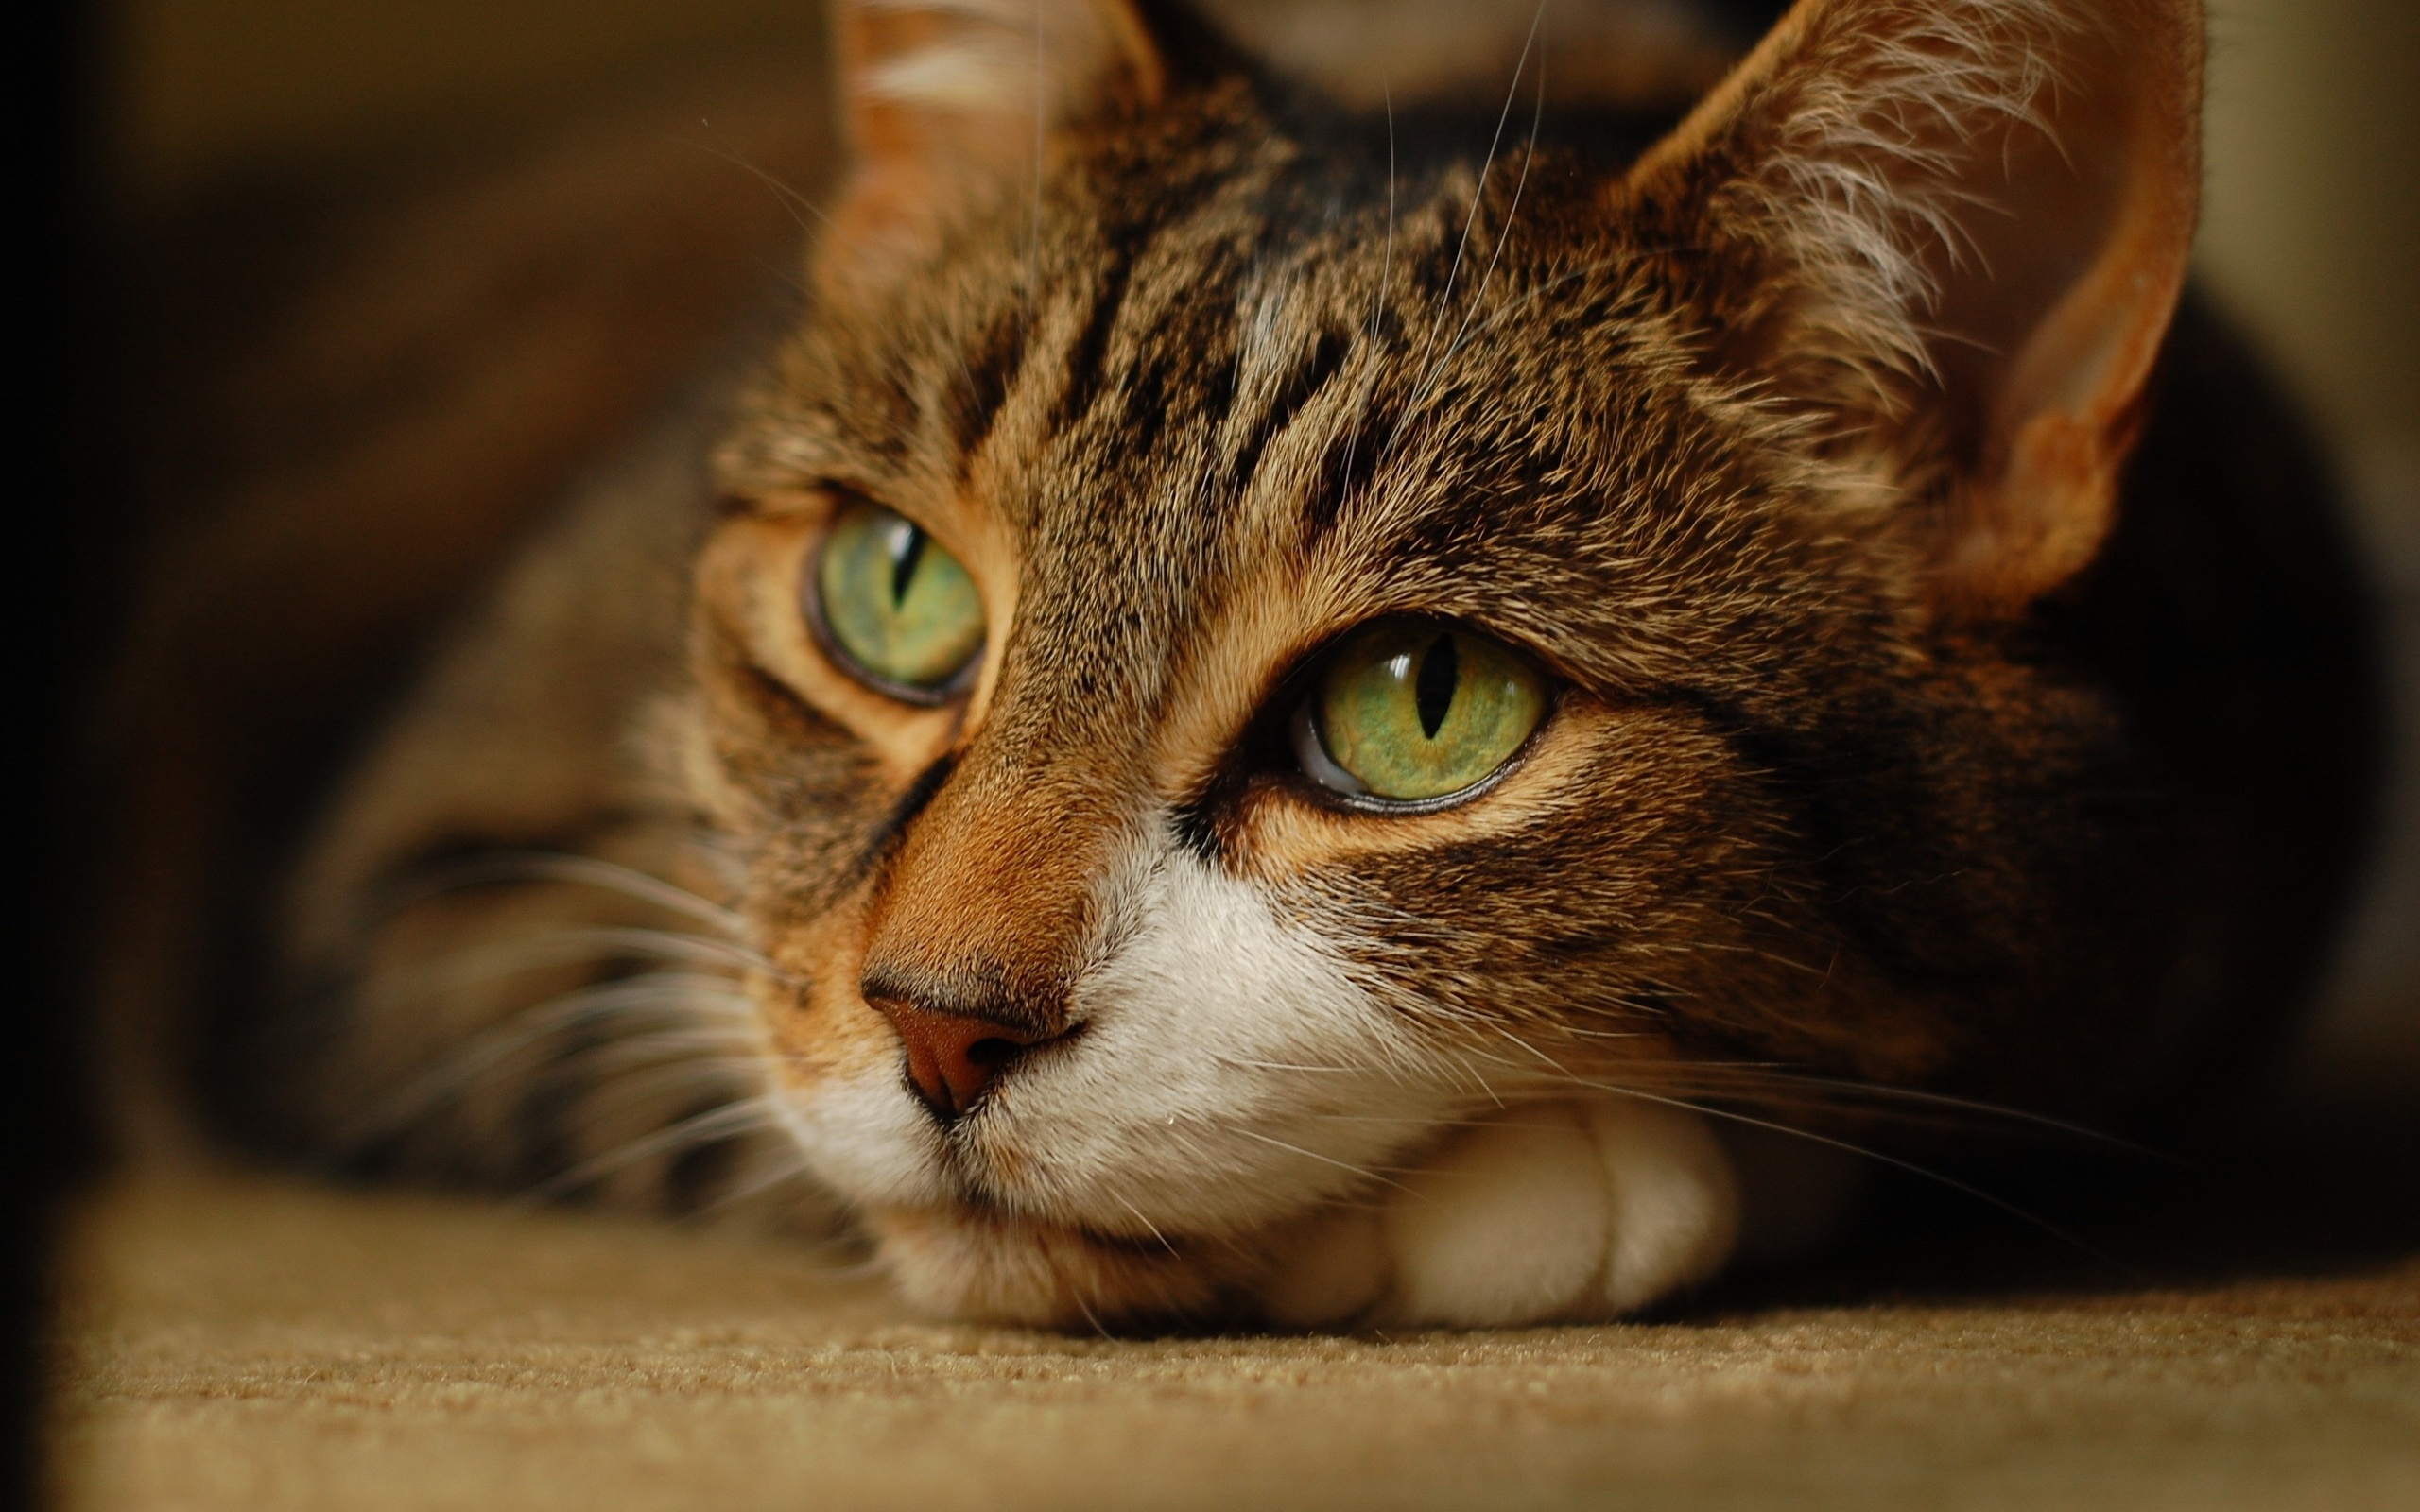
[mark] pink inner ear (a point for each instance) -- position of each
(911, 126)
(949, 99)
(2115, 198)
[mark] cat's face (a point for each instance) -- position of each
(1230, 665)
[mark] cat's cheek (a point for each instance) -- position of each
(1230, 1075)
(872, 1146)
(961, 1264)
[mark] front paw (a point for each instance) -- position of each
(1556, 1212)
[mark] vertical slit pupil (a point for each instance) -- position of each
(1433, 689)
(908, 550)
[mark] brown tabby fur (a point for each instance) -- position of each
(1864, 770)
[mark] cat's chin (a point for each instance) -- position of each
(1551, 1212)
(983, 1266)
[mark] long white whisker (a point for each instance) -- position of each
(1365, 1172)
(1378, 297)
(793, 1167)
(679, 994)
(1511, 213)
(1479, 198)
(731, 1118)
(1910, 1166)
(562, 947)
(790, 199)
(1948, 1103)
(1241, 1063)
(735, 1048)
(554, 866)
(641, 1080)
(1148, 1224)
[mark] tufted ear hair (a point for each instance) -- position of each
(1959, 228)
(948, 99)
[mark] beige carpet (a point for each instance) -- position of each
(243, 1345)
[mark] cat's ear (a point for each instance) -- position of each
(1961, 227)
(946, 100)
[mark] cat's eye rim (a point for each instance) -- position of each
(1318, 777)
(818, 624)
(1302, 727)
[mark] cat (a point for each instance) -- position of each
(1308, 681)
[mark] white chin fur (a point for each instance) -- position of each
(1230, 1075)
(1556, 1212)
(1234, 1087)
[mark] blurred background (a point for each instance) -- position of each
(2314, 138)
(2312, 224)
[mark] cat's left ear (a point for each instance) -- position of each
(950, 100)
(1961, 227)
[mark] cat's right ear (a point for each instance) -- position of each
(952, 101)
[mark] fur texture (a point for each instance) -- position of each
(1908, 744)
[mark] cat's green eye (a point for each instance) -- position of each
(893, 608)
(1416, 713)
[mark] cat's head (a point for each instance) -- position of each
(1247, 634)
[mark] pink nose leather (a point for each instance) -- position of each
(952, 1058)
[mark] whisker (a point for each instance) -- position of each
(1942, 1179)
(1948, 1103)
(563, 947)
(1479, 198)
(672, 993)
(639, 1082)
(793, 1167)
(1512, 214)
(731, 1118)
(1365, 1172)
(783, 274)
(1378, 297)
(1085, 1308)
(1951, 1182)
(1758, 1080)
(555, 866)
(1237, 1063)
(1417, 1121)
(790, 199)
(651, 1069)
(1148, 1224)
(1075, 1293)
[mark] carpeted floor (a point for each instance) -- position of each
(241, 1345)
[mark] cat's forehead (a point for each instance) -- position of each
(1238, 344)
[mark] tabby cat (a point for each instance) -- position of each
(1306, 682)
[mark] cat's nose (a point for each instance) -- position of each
(953, 1057)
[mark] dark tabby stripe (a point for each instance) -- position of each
(985, 381)
(1326, 361)
(1087, 364)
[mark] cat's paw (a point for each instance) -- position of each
(1555, 1212)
